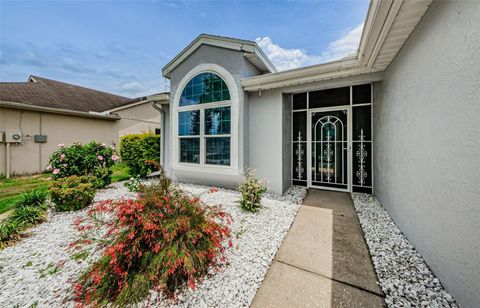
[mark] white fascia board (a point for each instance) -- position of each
(286, 77)
(163, 98)
(376, 16)
(91, 114)
(265, 60)
(262, 62)
(31, 79)
(358, 70)
(390, 18)
(141, 102)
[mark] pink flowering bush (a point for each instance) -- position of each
(92, 159)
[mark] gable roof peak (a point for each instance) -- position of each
(251, 51)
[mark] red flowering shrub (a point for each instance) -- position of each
(164, 240)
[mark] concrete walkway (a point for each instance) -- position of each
(323, 261)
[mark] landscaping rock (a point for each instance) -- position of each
(256, 238)
(404, 276)
(39, 270)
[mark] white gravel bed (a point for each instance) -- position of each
(39, 269)
(256, 238)
(404, 276)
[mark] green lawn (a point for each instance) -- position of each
(11, 189)
(120, 172)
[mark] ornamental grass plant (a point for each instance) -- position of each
(165, 240)
(29, 210)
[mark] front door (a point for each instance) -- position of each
(329, 147)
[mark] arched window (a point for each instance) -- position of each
(203, 89)
(204, 121)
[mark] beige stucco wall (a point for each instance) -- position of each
(31, 157)
(136, 119)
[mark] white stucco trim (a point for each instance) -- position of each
(233, 169)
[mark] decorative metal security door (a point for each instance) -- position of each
(329, 148)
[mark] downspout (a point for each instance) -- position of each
(8, 158)
(40, 167)
(162, 132)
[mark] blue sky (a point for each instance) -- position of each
(121, 46)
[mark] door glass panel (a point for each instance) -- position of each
(329, 149)
(362, 149)
(362, 127)
(362, 94)
(329, 97)
(299, 101)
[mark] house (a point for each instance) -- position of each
(43, 113)
(399, 120)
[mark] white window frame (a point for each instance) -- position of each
(233, 168)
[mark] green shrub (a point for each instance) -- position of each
(72, 193)
(133, 184)
(29, 210)
(94, 159)
(163, 241)
(34, 197)
(9, 230)
(29, 215)
(252, 190)
(103, 177)
(137, 149)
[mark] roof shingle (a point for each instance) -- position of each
(39, 91)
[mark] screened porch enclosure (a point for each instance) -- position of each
(332, 139)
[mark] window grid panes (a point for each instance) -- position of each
(205, 133)
(217, 151)
(204, 88)
(190, 150)
(189, 123)
(217, 121)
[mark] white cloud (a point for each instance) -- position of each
(346, 45)
(131, 86)
(282, 58)
(143, 88)
(285, 59)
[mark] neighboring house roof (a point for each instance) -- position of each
(98, 115)
(162, 98)
(250, 49)
(47, 93)
(387, 27)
